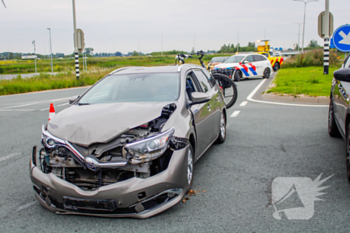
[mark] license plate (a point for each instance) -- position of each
(71, 203)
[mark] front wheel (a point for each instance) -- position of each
(333, 130)
(238, 76)
(190, 166)
(222, 134)
(348, 152)
(228, 87)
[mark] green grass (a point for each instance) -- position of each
(47, 82)
(308, 81)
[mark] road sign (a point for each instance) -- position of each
(80, 40)
(341, 38)
(321, 24)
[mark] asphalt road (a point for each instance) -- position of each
(263, 142)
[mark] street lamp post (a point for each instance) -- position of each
(305, 2)
(34, 54)
(50, 50)
(299, 37)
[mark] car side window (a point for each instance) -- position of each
(257, 58)
(210, 77)
(191, 85)
(249, 59)
(263, 58)
(203, 81)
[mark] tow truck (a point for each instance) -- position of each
(264, 49)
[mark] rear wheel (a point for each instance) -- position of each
(267, 73)
(276, 66)
(229, 89)
(333, 130)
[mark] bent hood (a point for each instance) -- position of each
(100, 123)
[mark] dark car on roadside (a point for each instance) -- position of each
(339, 109)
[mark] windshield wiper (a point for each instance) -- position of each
(83, 104)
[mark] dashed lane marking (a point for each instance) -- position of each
(9, 156)
(244, 103)
(39, 102)
(22, 207)
(235, 113)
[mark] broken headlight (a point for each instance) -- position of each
(148, 149)
(48, 140)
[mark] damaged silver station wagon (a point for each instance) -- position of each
(127, 146)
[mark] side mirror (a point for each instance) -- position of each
(342, 75)
(245, 62)
(73, 98)
(199, 98)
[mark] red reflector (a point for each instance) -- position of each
(144, 126)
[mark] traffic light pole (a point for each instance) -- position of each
(76, 52)
(326, 40)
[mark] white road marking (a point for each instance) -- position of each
(17, 110)
(39, 102)
(9, 156)
(244, 103)
(250, 98)
(54, 106)
(62, 105)
(235, 113)
(22, 207)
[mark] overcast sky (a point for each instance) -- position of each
(128, 25)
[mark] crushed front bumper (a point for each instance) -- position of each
(135, 197)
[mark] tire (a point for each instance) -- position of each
(267, 73)
(190, 166)
(276, 66)
(238, 76)
(228, 87)
(333, 130)
(348, 151)
(222, 135)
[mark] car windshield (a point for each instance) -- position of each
(234, 59)
(217, 59)
(147, 87)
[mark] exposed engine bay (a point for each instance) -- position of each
(140, 152)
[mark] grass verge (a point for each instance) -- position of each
(47, 82)
(309, 81)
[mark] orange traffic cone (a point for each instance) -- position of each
(52, 112)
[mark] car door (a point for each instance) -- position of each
(216, 103)
(340, 100)
(203, 118)
(249, 67)
(259, 64)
